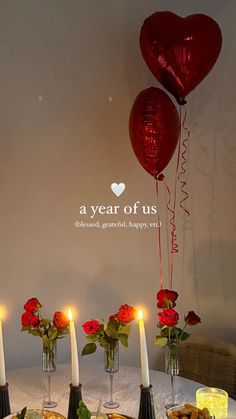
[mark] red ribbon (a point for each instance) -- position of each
(159, 242)
(173, 243)
(179, 173)
(184, 143)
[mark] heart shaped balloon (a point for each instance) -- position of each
(180, 52)
(154, 128)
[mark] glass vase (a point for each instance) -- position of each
(111, 366)
(172, 368)
(49, 366)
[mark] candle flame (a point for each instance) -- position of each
(70, 315)
(140, 315)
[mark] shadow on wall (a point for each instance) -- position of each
(110, 290)
(92, 295)
(102, 297)
(215, 283)
(138, 75)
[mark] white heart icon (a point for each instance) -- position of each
(117, 189)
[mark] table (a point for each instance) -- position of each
(28, 385)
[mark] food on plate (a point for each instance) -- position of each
(38, 414)
(188, 411)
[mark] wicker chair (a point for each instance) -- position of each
(210, 363)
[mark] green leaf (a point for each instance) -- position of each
(91, 338)
(177, 332)
(184, 336)
(65, 330)
(82, 411)
(101, 329)
(123, 339)
(111, 329)
(45, 340)
(124, 329)
(90, 348)
(165, 331)
(25, 329)
(61, 333)
(52, 333)
(35, 332)
(45, 322)
(103, 342)
(161, 341)
(21, 415)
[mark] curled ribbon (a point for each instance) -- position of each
(159, 243)
(183, 182)
(173, 243)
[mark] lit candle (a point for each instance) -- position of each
(2, 360)
(74, 353)
(143, 351)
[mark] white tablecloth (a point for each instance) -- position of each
(28, 386)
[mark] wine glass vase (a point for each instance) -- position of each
(49, 366)
(111, 365)
(172, 368)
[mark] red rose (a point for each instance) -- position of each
(90, 327)
(32, 305)
(112, 318)
(29, 319)
(60, 320)
(168, 317)
(192, 318)
(166, 298)
(126, 314)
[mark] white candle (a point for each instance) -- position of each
(74, 353)
(143, 351)
(2, 360)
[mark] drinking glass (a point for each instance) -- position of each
(215, 399)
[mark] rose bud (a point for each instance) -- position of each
(192, 318)
(112, 317)
(168, 317)
(166, 298)
(32, 305)
(126, 314)
(60, 320)
(91, 326)
(29, 320)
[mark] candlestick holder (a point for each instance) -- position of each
(75, 397)
(146, 406)
(5, 409)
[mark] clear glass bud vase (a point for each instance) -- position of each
(49, 366)
(172, 368)
(111, 365)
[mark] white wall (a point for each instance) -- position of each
(65, 150)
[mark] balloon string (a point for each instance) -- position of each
(184, 142)
(173, 244)
(159, 242)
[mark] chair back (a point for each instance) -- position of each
(210, 363)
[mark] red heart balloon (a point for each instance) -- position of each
(154, 128)
(180, 52)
